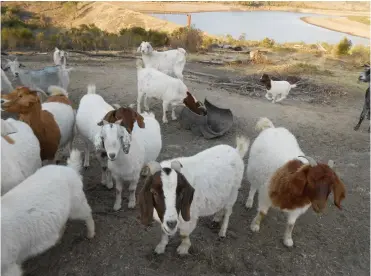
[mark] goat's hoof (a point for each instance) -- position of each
(117, 207)
(288, 242)
(86, 168)
(249, 204)
(174, 118)
(182, 249)
(254, 227)
(131, 205)
(356, 128)
(160, 249)
(165, 121)
(90, 235)
(221, 237)
(109, 186)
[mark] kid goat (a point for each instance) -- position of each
(179, 191)
(276, 88)
(365, 77)
(278, 168)
(131, 140)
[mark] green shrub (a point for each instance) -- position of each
(343, 47)
(188, 38)
(267, 42)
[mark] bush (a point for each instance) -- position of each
(360, 54)
(188, 38)
(343, 47)
(267, 42)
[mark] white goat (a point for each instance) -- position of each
(63, 114)
(128, 153)
(280, 170)
(34, 214)
(170, 62)
(59, 57)
(40, 79)
(276, 88)
(6, 85)
(20, 159)
(92, 109)
(183, 189)
(155, 84)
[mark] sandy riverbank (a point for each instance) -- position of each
(340, 24)
(192, 7)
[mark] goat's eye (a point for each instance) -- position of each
(20, 96)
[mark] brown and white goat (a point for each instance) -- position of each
(195, 106)
(27, 104)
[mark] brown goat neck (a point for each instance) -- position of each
(45, 129)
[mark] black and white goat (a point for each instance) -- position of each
(365, 77)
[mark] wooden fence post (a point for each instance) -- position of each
(188, 20)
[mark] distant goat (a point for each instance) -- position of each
(40, 79)
(6, 85)
(365, 77)
(276, 89)
(60, 57)
(170, 62)
(287, 179)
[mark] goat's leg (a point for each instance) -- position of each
(118, 200)
(160, 248)
(145, 102)
(81, 211)
(109, 181)
(219, 216)
(139, 98)
(87, 155)
(14, 270)
(227, 212)
(250, 199)
(361, 118)
(132, 189)
(186, 229)
(291, 219)
(264, 205)
(282, 97)
(173, 116)
(268, 96)
(164, 110)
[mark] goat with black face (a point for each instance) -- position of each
(365, 77)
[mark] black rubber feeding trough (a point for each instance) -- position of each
(214, 124)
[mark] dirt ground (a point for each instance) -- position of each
(335, 243)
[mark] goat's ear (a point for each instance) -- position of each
(186, 194)
(298, 176)
(189, 94)
(140, 120)
(339, 191)
(100, 123)
(145, 200)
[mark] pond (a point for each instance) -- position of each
(256, 25)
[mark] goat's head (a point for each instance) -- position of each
(266, 80)
(14, 67)
(316, 181)
(365, 75)
(112, 138)
(168, 191)
(128, 117)
(21, 100)
(194, 105)
(145, 48)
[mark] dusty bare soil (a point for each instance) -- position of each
(335, 243)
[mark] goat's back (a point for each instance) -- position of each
(271, 149)
(91, 111)
(40, 205)
(65, 118)
(21, 159)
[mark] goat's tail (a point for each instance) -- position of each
(75, 160)
(54, 90)
(263, 123)
(139, 63)
(182, 51)
(293, 85)
(243, 144)
(91, 89)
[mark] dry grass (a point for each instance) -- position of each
(361, 19)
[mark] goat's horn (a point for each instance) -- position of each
(176, 165)
(311, 161)
(151, 168)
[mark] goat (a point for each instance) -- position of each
(278, 168)
(20, 153)
(177, 192)
(155, 84)
(27, 104)
(91, 111)
(194, 105)
(170, 62)
(59, 57)
(40, 79)
(34, 214)
(276, 88)
(365, 77)
(6, 85)
(129, 147)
